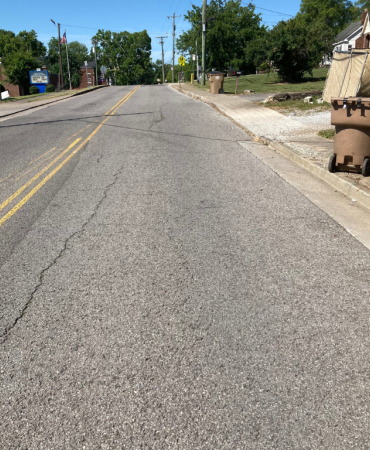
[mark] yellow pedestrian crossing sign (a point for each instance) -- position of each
(182, 61)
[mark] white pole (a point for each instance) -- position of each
(69, 72)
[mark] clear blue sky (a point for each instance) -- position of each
(117, 16)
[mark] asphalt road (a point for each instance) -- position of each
(164, 289)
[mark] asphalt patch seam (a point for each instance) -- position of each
(5, 335)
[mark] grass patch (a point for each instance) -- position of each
(327, 134)
(270, 83)
(61, 94)
(298, 106)
(46, 95)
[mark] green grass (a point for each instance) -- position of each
(36, 97)
(270, 83)
(327, 134)
(290, 106)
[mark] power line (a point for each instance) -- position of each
(269, 10)
(90, 28)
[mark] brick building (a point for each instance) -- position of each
(18, 91)
(88, 75)
(14, 89)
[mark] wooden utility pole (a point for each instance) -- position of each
(204, 7)
(94, 42)
(173, 45)
(61, 81)
(162, 42)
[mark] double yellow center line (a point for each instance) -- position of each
(25, 199)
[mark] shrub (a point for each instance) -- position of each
(50, 88)
(34, 90)
(264, 66)
(75, 79)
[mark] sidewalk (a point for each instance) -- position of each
(293, 136)
(10, 108)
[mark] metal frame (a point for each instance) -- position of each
(362, 72)
(345, 73)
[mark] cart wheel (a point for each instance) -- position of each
(331, 165)
(366, 167)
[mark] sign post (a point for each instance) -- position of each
(182, 63)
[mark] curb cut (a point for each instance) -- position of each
(53, 101)
(343, 186)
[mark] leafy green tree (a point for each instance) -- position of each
(126, 56)
(333, 14)
(157, 70)
(19, 54)
(77, 54)
(293, 46)
(230, 27)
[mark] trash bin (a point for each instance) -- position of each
(216, 82)
(351, 117)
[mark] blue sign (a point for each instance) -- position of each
(39, 78)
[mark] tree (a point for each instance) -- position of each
(126, 56)
(20, 54)
(333, 14)
(230, 27)
(77, 54)
(293, 46)
(157, 70)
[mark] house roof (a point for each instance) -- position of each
(348, 31)
(90, 64)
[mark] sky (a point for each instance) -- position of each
(81, 20)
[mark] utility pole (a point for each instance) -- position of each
(204, 7)
(96, 63)
(69, 72)
(60, 60)
(196, 45)
(173, 46)
(61, 83)
(162, 42)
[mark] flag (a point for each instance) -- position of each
(64, 38)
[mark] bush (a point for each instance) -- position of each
(264, 66)
(34, 90)
(50, 88)
(75, 79)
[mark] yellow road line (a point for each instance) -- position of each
(51, 174)
(42, 156)
(24, 167)
(20, 190)
(73, 135)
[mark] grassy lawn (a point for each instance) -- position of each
(270, 83)
(45, 95)
(298, 107)
(328, 134)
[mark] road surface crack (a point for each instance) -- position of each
(4, 336)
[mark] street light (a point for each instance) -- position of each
(60, 55)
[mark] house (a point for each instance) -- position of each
(352, 36)
(363, 41)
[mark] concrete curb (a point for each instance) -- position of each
(53, 101)
(343, 186)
